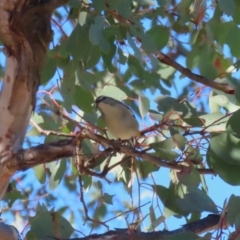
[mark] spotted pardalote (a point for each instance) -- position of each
(118, 118)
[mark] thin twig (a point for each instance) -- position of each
(47, 132)
(193, 76)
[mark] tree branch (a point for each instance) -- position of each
(193, 76)
(50, 152)
(211, 222)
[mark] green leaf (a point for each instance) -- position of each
(68, 91)
(213, 104)
(206, 69)
(12, 196)
(91, 57)
(168, 197)
(214, 122)
(236, 16)
(218, 101)
(228, 6)
(121, 57)
(87, 147)
(38, 119)
(165, 103)
(146, 2)
(123, 7)
(191, 179)
(57, 174)
(164, 144)
(99, 184)
(96, 35)
(113, 92)
(157, 222)
(152, 214)
(99, 5)
(83, 99)
(226, 147)
(233, 123)
(49, 70)
(232, 39)
(40, 173)
(107, 198)
(124, 173)
(86, 79)
(82, 17)
(193, 58)
(193, 154)
(228, 172)
(63, 62)
(156, 116)
(237, 95)
(233, 209)
(87, 181)
(184, 9)
(147, 43)
(108, 57)
(62, 50)
(78, 42)
(197, 200)
(193, 121)
(166, 154)
(160, 35)
(52, 221)
(174, 110)
(144, 105)
(144, 168)
(137, 52)
(100, 213)
(74, 3)
(180, 141)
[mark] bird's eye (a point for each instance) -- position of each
(100, 99)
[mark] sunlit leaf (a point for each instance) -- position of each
(179, 141)
(113, 92)
(144, 105)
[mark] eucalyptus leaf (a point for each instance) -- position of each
(144, 105)
(113, 92)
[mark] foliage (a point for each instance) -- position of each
(109, 48)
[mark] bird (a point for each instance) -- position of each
(8, 232)
(118, 118)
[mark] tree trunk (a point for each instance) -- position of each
(25, 29)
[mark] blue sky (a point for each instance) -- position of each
(219, 191)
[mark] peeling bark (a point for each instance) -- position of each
(25, 29)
